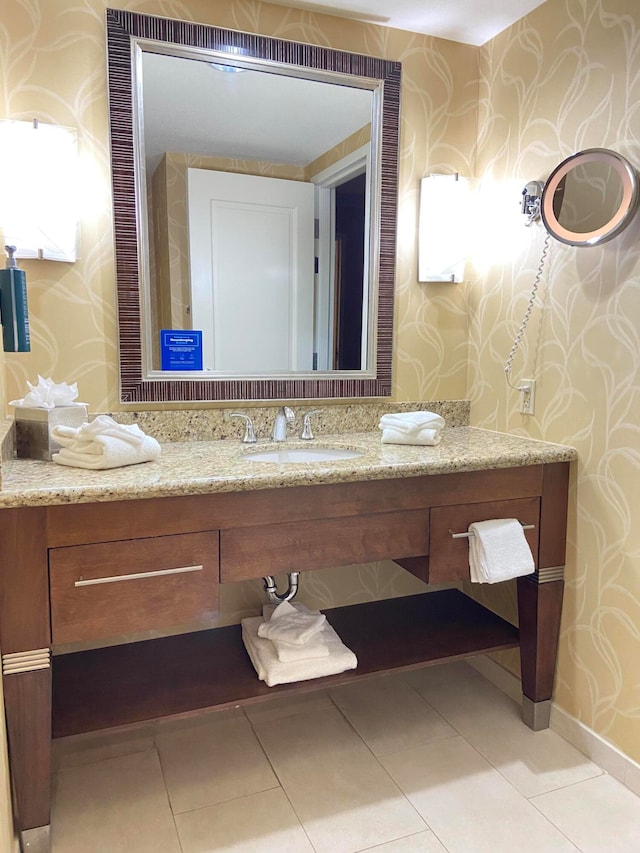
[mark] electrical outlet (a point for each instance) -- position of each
(528, 400)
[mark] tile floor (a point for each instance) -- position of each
(432, 760)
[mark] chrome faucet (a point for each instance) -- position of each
(284, 415)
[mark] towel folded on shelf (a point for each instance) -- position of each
(295, 631)
(291, 625)
(273, 671)
(420, 428)
(103, 443)
(498, 551)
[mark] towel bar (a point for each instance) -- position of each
(467, 533)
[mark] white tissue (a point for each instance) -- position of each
(48, 394)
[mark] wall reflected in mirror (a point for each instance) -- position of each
(258, 196)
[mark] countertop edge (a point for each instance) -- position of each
(463, 449)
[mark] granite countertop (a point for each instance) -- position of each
(206, 467)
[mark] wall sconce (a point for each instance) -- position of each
(38, 202)
(443, 228)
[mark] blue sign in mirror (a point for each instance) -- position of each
(180, 350)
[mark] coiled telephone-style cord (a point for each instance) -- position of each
(527, 314)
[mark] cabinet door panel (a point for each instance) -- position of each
(271, 549)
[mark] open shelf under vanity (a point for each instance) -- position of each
(121, 685)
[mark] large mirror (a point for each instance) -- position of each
(590, 197)
(255, 185)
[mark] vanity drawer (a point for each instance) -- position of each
(252, 552)
(113, 588)
(449, 558)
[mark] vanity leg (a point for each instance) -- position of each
(26, 669)
(28, 713)
(539, 610)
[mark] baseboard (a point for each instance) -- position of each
(591, 744)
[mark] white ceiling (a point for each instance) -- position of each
(468, 21)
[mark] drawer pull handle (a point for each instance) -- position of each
(114, 578)
(467, 534)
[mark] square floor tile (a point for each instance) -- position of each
(597, 815)
(113, 806)
(440, 673)
(85, 749)
(211, 762)
(260, 823)
(534, 762)
(341, 794)
(389, 715)
(288, 706)
(468, 804)
(423, 842)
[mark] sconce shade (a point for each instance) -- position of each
(38, 189)
(443, 228)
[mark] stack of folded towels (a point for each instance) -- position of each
(103, 443)
(498, 551)
(290, 643)
(411, 428)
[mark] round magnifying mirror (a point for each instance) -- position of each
(590, 197)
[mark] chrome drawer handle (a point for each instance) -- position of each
(115, 578)
(467, 534)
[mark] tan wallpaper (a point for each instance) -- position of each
(565, 78)
(53, 66)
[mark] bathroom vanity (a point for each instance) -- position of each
(87, 556)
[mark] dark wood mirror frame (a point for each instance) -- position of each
(122, 27)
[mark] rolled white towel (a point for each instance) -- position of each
(291, 625)
(498, 551)
(411, 421)
(426, 437)
(103, 443)
(273, 671)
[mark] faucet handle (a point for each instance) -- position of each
(307, 432)
(249, 432)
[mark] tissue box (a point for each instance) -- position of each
(34, 425)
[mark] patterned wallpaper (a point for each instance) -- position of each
(53, 65)
(567, 77)
(564, 78)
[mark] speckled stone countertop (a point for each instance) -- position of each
(206, 467)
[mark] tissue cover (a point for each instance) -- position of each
(34, 425)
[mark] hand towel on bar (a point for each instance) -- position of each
(411, 421)
(291, 625)
(103, 443)
(422, 437)
(272, 671)
(498, 550)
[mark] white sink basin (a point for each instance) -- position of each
(303, 454)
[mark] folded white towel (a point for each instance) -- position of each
(425, 437)
(411, 421)
(498, 550)
(291, 625)
(103, 443)
(273, 671)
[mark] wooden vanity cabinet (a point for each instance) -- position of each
(158, 562)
